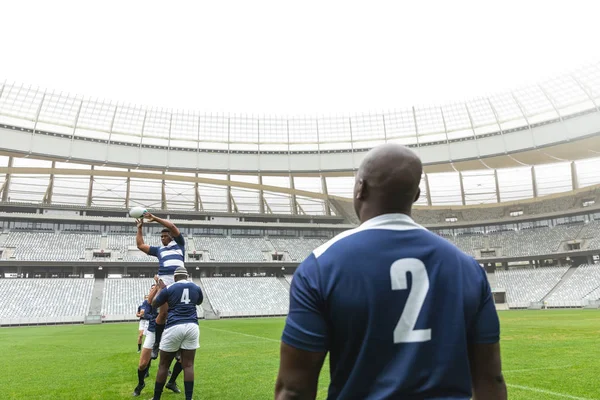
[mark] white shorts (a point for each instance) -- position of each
(182, 336)
(167, 279)
(149, 341)
(143, 325)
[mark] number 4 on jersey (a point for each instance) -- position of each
(405, 331)
(185, 296)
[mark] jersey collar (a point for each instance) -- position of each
(392, 220)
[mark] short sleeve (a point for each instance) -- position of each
(306, 326)
(179, 240)
(161, 298)
(486, 326)
(153, 251)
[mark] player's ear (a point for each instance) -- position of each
(360, 189)
(417, 195)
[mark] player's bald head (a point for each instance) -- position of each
(387, 181)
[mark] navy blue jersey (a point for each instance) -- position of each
(170, 256)
(150, 313)
(183, 297)
(141, 307)
(396, 307)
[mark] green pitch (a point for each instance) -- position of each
(546, 354)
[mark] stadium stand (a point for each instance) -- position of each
(297, 249)
(126, 248)
(54, 246)
(233, 249)
(236, 297)
(121, 297)
(524, 286)
(34, 301)
(584, 281)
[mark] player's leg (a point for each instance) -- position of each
(166, 358)
(144, 364)
(140, 336)
(161, 319)
(189, 344)
(187, 363)
(172, 384)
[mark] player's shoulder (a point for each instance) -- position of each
(383, 225)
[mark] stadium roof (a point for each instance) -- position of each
(495, 179)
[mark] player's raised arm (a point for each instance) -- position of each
(139, 237)
(164, 222)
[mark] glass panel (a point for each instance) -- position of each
(246, 200)
(400, 127)
(568, 96)
(70, 189)
(109, 191)
(303, 134)
(340, 186)
(273, 134)
(19, 105)
(58, 113)
(508, 111)
(515, 183)
(479, 187)
(553, 178)
(445, 188)
(129, 120)
(279, 203)
(588, 172)
(214, 197)
(146, 193)
(244, 130)
(180, 195)
(311, 184)
(457, 121)
(334, 133)
(95, 119)
(157, 124)
(535, 105)
(367, 127)
(589, 77)
(482, 115)
(185, 126)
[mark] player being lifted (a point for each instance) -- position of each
(182, 332)
(170, 256)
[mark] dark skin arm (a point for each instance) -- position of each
(166, 223)
(486, 370)
(159, 286)
(298, 373)
(139, 237)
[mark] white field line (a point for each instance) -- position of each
(536, 390)
(536, 369)
(243, 334)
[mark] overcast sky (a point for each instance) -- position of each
(292, 58)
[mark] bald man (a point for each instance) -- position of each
(403, 313)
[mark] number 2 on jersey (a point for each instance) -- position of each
(405, 331)
(185, 296)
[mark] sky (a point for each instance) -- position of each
(292, 58)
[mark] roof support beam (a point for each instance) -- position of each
(229, 198)
(324, 190)
(534, 182)
(157, 176)
(163, 194)
(427, 190)
(90, 190)
(6, 186)
(497, 185)
(48, 195)
(462, 188)
(293, 201)
(197, 198)
(574, 177)
(261, 196)
(128, 190)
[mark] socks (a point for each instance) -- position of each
(141, 376)
(158, 334)
(139, 347)
(189, 390)
(176, 371)
(158, 389)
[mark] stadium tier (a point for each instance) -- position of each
(44, 301)
(236, 297)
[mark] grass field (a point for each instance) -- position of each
(546, 355)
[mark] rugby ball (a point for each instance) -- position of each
(137, 212)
